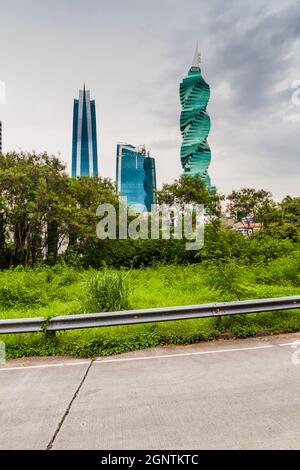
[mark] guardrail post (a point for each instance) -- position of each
(218, 318)
(50, 334)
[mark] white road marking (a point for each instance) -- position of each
(99, 360)
(44, 366)
(289, 344)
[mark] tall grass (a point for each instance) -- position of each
(21, 288)
(60, 290)
(107, 291)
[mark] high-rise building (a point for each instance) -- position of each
(84, 148)
(136, 176)
(195, 123)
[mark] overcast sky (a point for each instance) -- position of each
(132, 55)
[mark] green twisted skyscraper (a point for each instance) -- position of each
(195, 123)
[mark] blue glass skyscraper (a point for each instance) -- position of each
(136, 176)
(84, 145)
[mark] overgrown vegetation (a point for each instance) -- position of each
(52, 262)
(27, 289)
(45, 216)
(107, 291)
(67, 292)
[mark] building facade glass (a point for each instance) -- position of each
(136, 176)
(84, 144)
(195, 123)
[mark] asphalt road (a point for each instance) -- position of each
(222, 395)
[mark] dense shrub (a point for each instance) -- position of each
(267, 249)
(137, 253)
(225, 244)
(107, 291)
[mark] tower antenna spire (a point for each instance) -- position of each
(197, 57)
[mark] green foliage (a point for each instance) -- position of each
(190, 189)
(279, 220)
(225, 244)
(22, 288)
(283, 271)
(221, 244)
(107, 291)
(251, 203)
(230, 280)
(137, 253)
(265, 249)
(64, 290)
(41, 209)
(286, 222)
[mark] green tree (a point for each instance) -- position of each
(42, 210)
(32, 188)
(286, 221)
(250, 204)
(191, 190)
(87, 194)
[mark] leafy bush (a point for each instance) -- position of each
(137, 253)
(230, 280)
(267, 249)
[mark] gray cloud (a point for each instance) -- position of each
(133, 56)
(250, 58)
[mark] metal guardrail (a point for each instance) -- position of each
(97, 320)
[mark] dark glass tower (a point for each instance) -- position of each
(136, 176)
(84, 146)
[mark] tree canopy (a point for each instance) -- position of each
(45, 214)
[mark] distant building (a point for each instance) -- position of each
(136, 176)
(195, 123)
(84, 148)
(246, 229)
(0, 136)
(245, 226)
